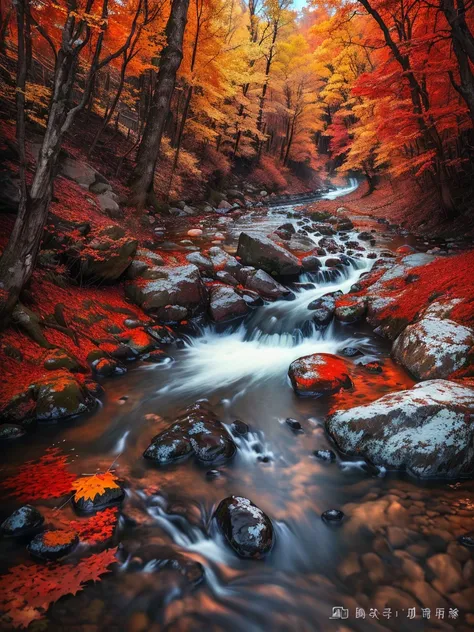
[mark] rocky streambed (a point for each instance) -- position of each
(285, 467)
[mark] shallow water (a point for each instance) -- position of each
(242, 370)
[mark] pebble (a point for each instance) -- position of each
(467, 540)
(194, 232)
(332, 516)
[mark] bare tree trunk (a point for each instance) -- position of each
(19, 258)
(142, 179)
(463, 47)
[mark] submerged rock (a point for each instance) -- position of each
(294, 424)
(427, 430)
(22, 521)
(263, 253)
(319, 374)
(247, 528)
(433, 347)
(51, 545)
(197, 432)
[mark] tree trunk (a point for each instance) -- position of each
(19, 258)
(142, 179)
(463, 47)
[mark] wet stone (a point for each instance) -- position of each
(197, 432)
(190, 570)
(319, 374)
(467, 540)
(11, 431)
(332, 516)
(293, 424)
(109, 497)
(22, 521)
(247, 528)
(213, 474)
(240, 427)
(351, 352)
(51, 545)
(327, 456)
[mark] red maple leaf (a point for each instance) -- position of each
(27, 590)
(47, 477)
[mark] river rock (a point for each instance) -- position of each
(433, 347)
(51, 545)
(247, 528)
(323, 310)
(22, 521)
(261, 252)
(332, 516)
(61, 396)
(222, 261)
(197, 432)
(301, 243)
(311, 263)
(226, 304)
(350, 309)
(110, 496)
(266, 286)
(10, 432)
(319, 374)
(204, 264)
(427, 430)
(181, 286)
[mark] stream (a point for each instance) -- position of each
(393, 525)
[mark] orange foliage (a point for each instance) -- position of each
(87, 487)
(27, 590)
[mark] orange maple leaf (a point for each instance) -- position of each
(87, 487)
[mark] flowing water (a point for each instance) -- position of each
(379, 554)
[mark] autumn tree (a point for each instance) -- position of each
(82, 32)
(142, 188)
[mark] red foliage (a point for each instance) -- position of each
(46, 478)
(442, 280)
(92, 530)
(27, 590)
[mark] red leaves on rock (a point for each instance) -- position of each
(46, 478)
(27, 591)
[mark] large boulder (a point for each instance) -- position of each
(246, 527)
(427, 430)
(261, 252)
(79, 171)
(180, 286)
(319, 374)
(197, 432)
(265, 286)
(433, 347)
(226, 304)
